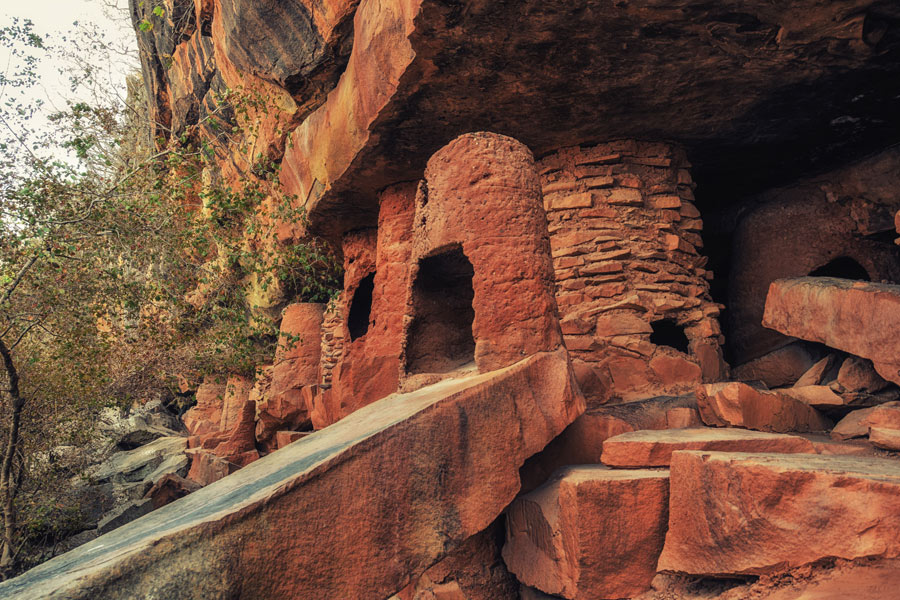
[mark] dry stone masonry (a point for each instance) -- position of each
(522, 391)
(631, 280)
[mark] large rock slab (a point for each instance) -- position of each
(590, 532)
(654, 448)
(735, 404)
(352, 511)
(754, 514)
(858, 317)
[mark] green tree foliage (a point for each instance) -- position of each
(124, 263)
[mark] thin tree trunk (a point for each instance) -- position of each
(7, 483)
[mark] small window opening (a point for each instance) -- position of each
(440, 336)
(843, 267)
(361, 307)
(667, 332)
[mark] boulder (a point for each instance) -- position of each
(780, 367)
(858, 422)
(735, 404)
(283, 438)
(858, 375)
(207, 468)
(817, 373)
(758, 514)
(887, 439)
(590, 532)
(821, 397)
(858, 317)
(330, 507)
(649, 448)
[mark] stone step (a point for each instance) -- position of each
(357, 508)
(590, 532)
(757, 514)
(649, 448)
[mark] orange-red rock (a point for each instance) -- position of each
(888, 439)
(858, 317)
(815, 375)
(170, 487)
(329, 506)
(582, 441)
(752, 514)
(474, 571)
(237, 392)
(858, 375)
(482, 272)
(857, 423)
(206, 416)
(590, 532)
(818, 396)
(654, 448)
(735, 404)
(206, 467)
(283, 438)
(780, 367)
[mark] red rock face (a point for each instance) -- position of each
(482, 277)
(376, 292)
(591, 532)
(282, 406)
(206, 416)
(760, 513)
(858, 317)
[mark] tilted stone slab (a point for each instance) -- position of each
(858, 317)
(590, 532)
(352, 511)
(754, 514)
(648, 448)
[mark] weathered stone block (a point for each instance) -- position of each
(591, 532)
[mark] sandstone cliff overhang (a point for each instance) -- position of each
(783, 87)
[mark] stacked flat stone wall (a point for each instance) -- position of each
(626, 246)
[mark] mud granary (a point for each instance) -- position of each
(620, 313)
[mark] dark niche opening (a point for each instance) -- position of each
(843, 267)
(440, 336)
(361, 307)
(667, 332)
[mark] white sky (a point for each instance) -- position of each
(53, 20)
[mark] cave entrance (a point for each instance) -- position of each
(361, 307)
(667, 332)
(440, 336)
(843, 267)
